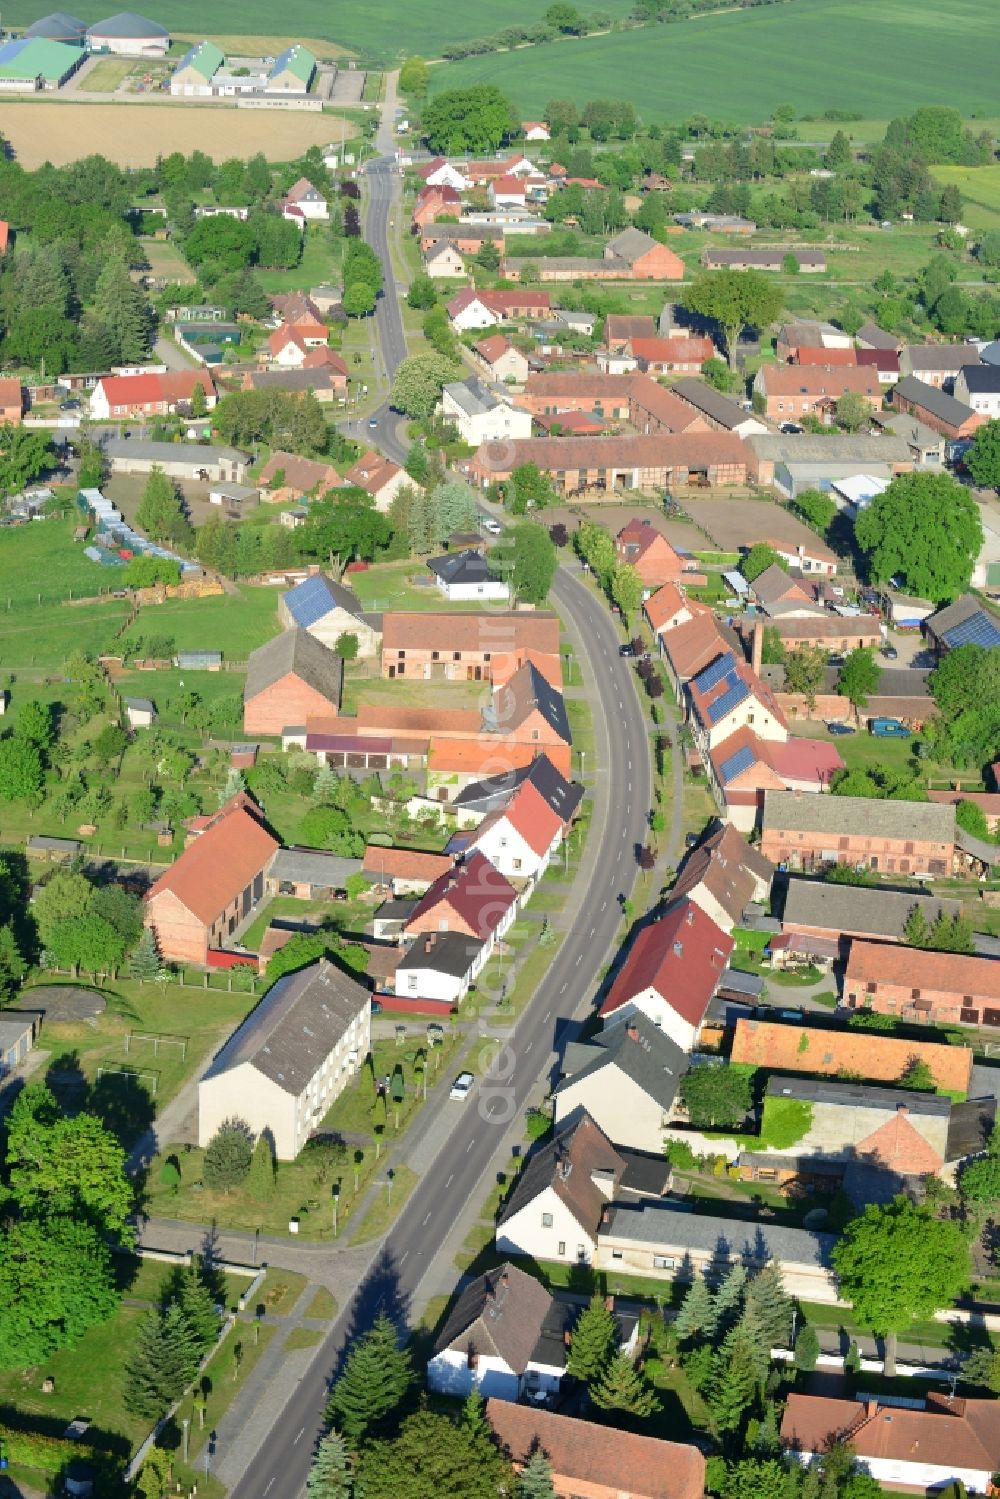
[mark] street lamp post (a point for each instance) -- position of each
(185, 1424)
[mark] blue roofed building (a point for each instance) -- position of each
(328, 610)
(967, 621)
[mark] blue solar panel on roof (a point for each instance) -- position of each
(977, 630)
(736, 764)
(714, 672)
(309, 601)
(729, 699)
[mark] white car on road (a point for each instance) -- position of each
(462, 1087)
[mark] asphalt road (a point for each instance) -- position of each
(622, 792)
(382, 188)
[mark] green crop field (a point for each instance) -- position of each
(980, 188)
(879, 57)
(380, 30)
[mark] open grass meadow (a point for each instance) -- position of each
(380, 31)
(980, 188)
(739, 66)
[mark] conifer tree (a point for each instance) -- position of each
(733, 1388)
(916, 932)
(696, 1318)
(624, 1388)
(197, 1304)
(121, 309)
(163, 1360)
(728, 1301)
(12, 965)
(773, 1307)
(145, 961)
(535, 1481)
(375, 1378)
(260, 1178)
(593, 1342)
(474, 1412)
(330, 1475)
(227, 1156)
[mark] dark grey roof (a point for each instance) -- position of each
(970, 1127)
(127, 24)
(938, 356)
(291, 379)
(495, 792)
(857, 1095)
(309, 866)
(502, 1312)
(171, 452)
(639, 1050)
(53, 845)
(725, 1238)
(735, 981)
(712, 403)
(943, 406)
(142, 704)
(399, 909)
(299, 652)
(442, 952)
(984, 378)
(461, 567)
(473, 396)
(295, 1027)
(60, 26)
(447, 232)
(854, 908)
(930, 821)
(526, 690)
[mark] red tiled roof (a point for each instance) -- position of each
(810, 354)
(493, 348)
(477, 893)
(324, 358)
(805, 760)
(669, 601)
(219, 864)
(576, 423)
(509, 185)
(285, 335)
(598, 1457)
(900, 1148)
(425, 629)
(488, 756)
(950, 973)
(818, 380)
(884, 360)
(11, 393)
(372, 472)
(643, 534)
(681, 956)
(405, 863)
(383, 716)
(673, 350)
(146, 390)
(529, 814)
(693, 645)
(779, 1048)
(949, 1430)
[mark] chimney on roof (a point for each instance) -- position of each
(632, 1031)
(689, 916)
(313, 569)
(757, 646)
(902, 1109)
(605, 1217)
(609, 1303)
(504, 1278)
(567, 1337)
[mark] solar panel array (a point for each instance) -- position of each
(979, 629)
(712, 674)
(309, 601)
(736, 764)
(736, 691)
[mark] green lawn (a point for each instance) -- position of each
(980, 188)
(741, 65)
(202, 1017)
(319, 263)
(863, 751)
(42, 560)
(401, 585)
(90, 1378)
(234, 624)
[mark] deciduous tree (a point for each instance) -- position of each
(926, 529)
(735, 300)
(859, 677)
(898, 1262)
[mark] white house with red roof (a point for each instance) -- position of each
(474, 899)
(288, 345)
(471, 309)
(306, 196)
(149, 395)
(727, 695)
(671, 973)
(443, 173)
(501, 360)
(507, 192)
(535, 130)
(521, 838)
(382, 478)
(669, 607)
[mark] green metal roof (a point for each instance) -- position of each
(36, 56)
(206, 58)
(297, 60)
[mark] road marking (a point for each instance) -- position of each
(604, 905)
(402, 1260)
(469, 1146)
(425, 1222)
(300, 1435)
(549, 1012)
(449, 1181)
(591, 931)
(528, 1047)
(578, 962)
(269, 1487)
(630, 765)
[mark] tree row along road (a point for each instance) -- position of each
(621, 794)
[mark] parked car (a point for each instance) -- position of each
(835, 660)
(840, 728)
(888, 728)
(493, 527)
(462, 1087)
(790, 429)
(890, 653)
(626, 650)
